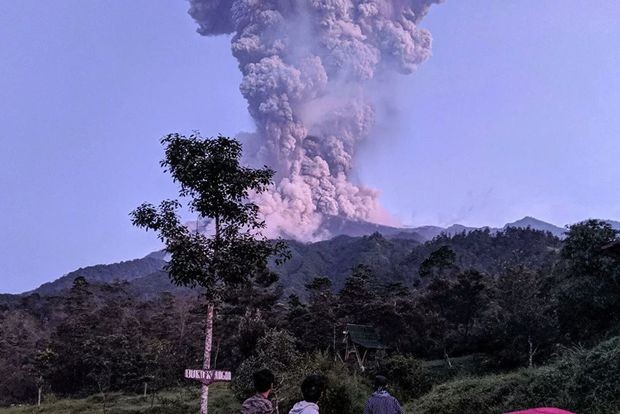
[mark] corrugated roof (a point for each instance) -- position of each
(365, 336)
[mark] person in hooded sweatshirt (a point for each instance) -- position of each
(259, 402)
(381, 402)
(311, 388)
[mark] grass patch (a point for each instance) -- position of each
(583, 381)
(174, 401)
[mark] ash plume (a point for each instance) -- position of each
(307, 68)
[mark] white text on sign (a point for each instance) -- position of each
(199, 374)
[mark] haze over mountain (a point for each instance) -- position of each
(425, 233)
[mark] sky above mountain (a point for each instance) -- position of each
(515, 114)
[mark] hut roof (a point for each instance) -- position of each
(364, 336)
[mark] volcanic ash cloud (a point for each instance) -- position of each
(308, 67)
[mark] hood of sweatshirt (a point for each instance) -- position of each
(304, 407)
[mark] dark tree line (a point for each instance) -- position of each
(508, 297)
(99, 338)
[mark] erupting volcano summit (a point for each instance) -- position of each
(308, 68)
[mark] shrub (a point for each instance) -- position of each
(587, 382)
(275, 351)
(592, 378)
(17, 386)
(345, 392)
(408, 378)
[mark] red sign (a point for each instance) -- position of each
(208, 377)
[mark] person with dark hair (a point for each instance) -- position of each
(259, 402)
(311, 388)
(381, 402)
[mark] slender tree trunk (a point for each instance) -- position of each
(104, 399)
(531, 352)
(145, 386)
(217, 353)
(447, 357)
(206, 365)
(204, 396)
(335, 353)
(183, 323)
(39, 397)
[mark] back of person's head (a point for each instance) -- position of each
(312, 388)
(263, 380)
(380, 382)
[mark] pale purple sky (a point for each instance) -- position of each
(515, 114)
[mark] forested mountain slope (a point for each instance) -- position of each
(398, 260)
(393, 259)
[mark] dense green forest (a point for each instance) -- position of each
(475, 322)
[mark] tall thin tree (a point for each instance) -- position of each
(218, 188)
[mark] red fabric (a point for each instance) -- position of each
(541, 411)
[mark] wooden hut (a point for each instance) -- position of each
(362, 341)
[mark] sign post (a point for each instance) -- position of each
(206, 376)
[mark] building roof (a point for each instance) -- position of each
(364, 336)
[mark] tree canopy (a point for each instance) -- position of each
(218, 188)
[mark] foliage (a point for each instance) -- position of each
(210, 176)
(438, 263)
(172, 401)
(129, 270)
(336, 257)
(520, 289)
(275, 351)
(583, 381)
(491, 394)
(408, 377)
(451, 308)
(346, 391)
(588, 281)
(397, 260)
(356, 297)
(591, 378)
(318, 331)
(491, 252)
(521, 318)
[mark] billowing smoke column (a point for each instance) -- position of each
(307, 66)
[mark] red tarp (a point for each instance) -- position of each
(541, 411)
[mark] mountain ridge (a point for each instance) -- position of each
(354, 234)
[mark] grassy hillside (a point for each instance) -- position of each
(177, 401)
(584, 381)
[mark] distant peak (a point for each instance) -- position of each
(537, 224)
